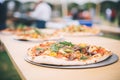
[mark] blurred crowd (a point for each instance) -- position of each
(38, 13)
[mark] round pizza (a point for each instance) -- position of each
(80, 30)
(22, 29)
(35, 34)
(8, 31)
(67, 53)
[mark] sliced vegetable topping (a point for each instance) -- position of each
(54, 47)
(65, 43)
(39, 48)
(83, 58)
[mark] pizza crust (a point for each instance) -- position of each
(44, 59)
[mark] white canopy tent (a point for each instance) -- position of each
(65, 2)
(68, 1)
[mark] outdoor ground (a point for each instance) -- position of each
(7, 70)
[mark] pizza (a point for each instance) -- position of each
(34, 34)
(17, 30)
(22, 29)
(30, 34)
(80, 30)
(8, 31)
(67, 53)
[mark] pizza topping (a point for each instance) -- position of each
(76, 48)
(68, 51)
(54, 54)
(72, 57)
(84, 57)
(65, 43)
(40, 50)
(54, 47)
(62, 51)
(80, 28)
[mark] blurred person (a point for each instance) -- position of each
(82, 15)
(41, 14)
(113, 15)
(74, 12)
(92, 13)
(11, 7)
(78, 15)
(3, 11)
(119, 19)
(108, 14)
(86, 15)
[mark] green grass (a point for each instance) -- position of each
(7, 70)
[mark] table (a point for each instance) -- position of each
(17, 50)
(109, 29)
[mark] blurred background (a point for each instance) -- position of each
(105, 13)
(100, 11)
